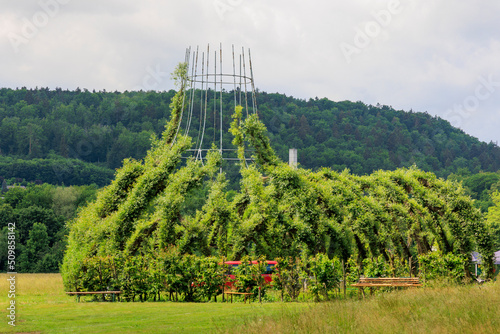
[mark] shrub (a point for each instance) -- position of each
(438, 266)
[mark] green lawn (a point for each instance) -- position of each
(42, 306)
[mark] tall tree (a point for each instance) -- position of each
(36, 248)
(493, 218)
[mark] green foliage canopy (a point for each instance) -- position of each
(280, 211)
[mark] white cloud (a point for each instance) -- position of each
(428, 57)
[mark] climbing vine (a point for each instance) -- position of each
(382, 222)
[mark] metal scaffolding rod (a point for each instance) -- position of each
(198, 98)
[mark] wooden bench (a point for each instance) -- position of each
(378, 282)
(79, 293)
(246, 294)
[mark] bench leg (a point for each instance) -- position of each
(360, 293)
(231, 298)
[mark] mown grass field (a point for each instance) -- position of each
(43, 307)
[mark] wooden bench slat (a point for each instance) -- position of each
(387, 278)
(92, 292)
(387, 281)
(384, 284)
(83, 293)
(376, 282)
(245, 294)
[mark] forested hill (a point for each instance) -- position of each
(365, 138)
(61, 128)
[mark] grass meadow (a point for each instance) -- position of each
(458, 309)
(43, 307)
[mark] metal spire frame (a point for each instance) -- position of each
(204, 76)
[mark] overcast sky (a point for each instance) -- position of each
(439, 56)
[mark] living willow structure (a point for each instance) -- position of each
(280, 211)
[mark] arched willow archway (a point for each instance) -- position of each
(279, 211)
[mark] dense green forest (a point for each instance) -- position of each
(39, 214)
(103, 128)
